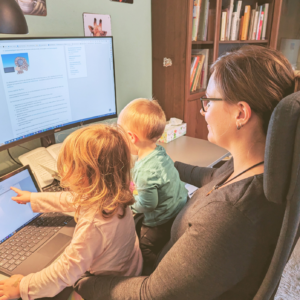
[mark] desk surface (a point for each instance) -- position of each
(194, 151)
(190, 151)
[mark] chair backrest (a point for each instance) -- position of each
(282, 184)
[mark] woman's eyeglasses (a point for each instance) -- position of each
(205, 102)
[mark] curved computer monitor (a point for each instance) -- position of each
(52, 84)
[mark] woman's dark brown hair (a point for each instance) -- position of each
(94, 164)
(257, 75)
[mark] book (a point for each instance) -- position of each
(193, 71)
(260, 22)
(234, 26)
(194, 79)
(192, 65)
(204, 74)
(239, 7)
(211, 24)
(202, 32)
(251, 24)
(266, 12)
(41, 159)
(196, 18)
(255, 23)
(245, 26)
(198, 73)
(223, 26)
(230, 11)
(241, 27)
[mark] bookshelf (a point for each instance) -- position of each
(172, 38)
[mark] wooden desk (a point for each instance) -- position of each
(194, 151)
(190, 151)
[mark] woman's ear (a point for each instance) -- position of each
(244, 114)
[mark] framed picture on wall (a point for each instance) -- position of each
(33, 7)
(96, 25)
(123, 1)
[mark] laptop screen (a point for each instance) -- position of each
(14, 216)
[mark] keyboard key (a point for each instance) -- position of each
(9, 256)
(3, 262)
(17, 256)
(18, 262)
(11, 261)
(12, 267)
(4, 255)
(28, 253)
(23, 252)
(6, 266)
(14, 253)
(23, 257)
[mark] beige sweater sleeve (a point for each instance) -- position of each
(52, 202)
(87, 243)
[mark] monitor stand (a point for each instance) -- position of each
(48, 140)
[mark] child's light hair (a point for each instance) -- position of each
(94, 164)
(145, 117)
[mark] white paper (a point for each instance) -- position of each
(54, 150)
(36, 157)
(191, 189)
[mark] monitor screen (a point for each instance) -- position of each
(48, 84)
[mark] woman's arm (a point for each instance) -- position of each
(199, 176)
(211, 257)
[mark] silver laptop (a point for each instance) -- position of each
(29, 241)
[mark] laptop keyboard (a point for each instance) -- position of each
(21, 246)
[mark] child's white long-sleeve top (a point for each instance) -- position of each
(99, 245)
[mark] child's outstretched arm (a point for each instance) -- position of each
(45, 202)
(87, 243)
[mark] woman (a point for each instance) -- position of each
(223, 240)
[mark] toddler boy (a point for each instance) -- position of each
(158, 191)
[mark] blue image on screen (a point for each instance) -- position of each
(13, 61)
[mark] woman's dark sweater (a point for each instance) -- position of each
(220, 248)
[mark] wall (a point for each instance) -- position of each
(131, 28)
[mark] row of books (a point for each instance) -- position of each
(252, 25)
(203, 21)
(199, 69)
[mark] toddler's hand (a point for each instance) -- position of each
(10, 288)
(23, 197)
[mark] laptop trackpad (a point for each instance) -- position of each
(55, 246)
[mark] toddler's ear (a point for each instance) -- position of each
(133, 137)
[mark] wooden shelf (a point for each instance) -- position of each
(196, 95)
(202, 42)
(244, 42)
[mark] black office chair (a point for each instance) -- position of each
(282, 185)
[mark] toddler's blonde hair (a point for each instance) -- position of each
(144, 117)
(94, 164)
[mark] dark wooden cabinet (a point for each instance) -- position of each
(172, 39)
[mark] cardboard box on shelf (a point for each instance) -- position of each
(173, 132)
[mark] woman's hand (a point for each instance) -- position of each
(22, 197)
(10, 288)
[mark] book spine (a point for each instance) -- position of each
(193, 65)
(258, 21)
(194, 79)
(237, 29)
(239, 7)
(246, 20)
(241, 27)
(253, 37)
(201, 32)
(228, 31)
(194, 70)
(206, 22)
(223, 26)
(261, 19)
(205, 67)
(265, 21)
(198, 73)
(233, 26)
(196, 16)
(251, 24)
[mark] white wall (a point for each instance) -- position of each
(131, 29)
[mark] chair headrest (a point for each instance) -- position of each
(282, 148)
